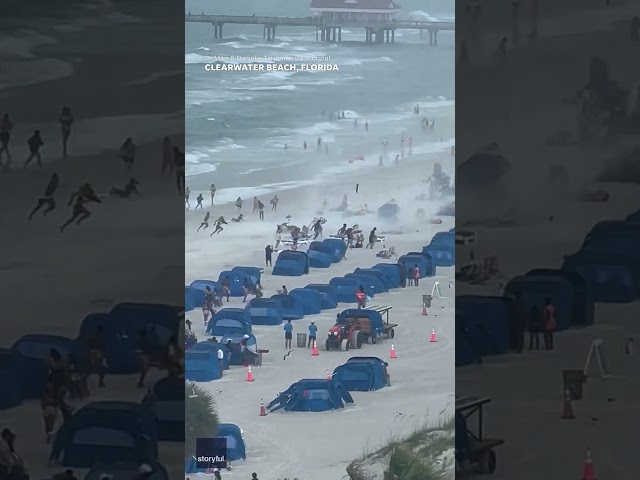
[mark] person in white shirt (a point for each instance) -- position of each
(221, 359)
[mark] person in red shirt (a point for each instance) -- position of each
(361, 298)
(416, 275)
(549, 325)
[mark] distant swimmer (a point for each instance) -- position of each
(187, 194)
(366, 126)
(47, 198)
(380, 162)
(239, 203)
(304, 145)
(85, 191)
(410, 144)
(129, 189)
(66, 120)
(128, 153)
(199, 199)
(396, 161)
(357, 187)
(34, 142)
(239, 219)
(286, 147)
(205, 223)
(6, 125)
(326, 149)
(218, 229)
(356, 127)
(212, 189)
(319, 144)
(453, 150)
(79, 213)
(167, 156)
(274, 203)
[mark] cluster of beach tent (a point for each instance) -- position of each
(108, 437)
(236, 446)
(606, 269)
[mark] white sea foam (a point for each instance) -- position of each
(317, 129)
(266, 88)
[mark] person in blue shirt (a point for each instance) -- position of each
(288, 334)
(312, 333)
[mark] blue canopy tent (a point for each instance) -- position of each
(11, 379)
(201, 365)
(121, 335)
(235, 358)
(362, 374)
(264, 311)
(291, 264)
(318, 259)
(160, 319)
(292, 306)
(444, 238)
(609, 278)
(346, 288)
(534, 289)
(106, 433)
(193, 298)
(311, 299)
(236, 448)
(235, 279)
(372, 284)
(166, 402)
(441, 255)
(254, 273)
(329, 294)
(488, 322)
(209, 346)
(386, 281)
(327, 249)
(312, 395)
(465, 350)
(339, 247)
(35, 349)
(229, 321)
(201, 285)
(424, 264)
(126, 471)
(391, 270)
(388, 210)
(584, 306)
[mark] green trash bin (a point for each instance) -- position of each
(302, 340)
(573, 381)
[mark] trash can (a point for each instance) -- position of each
(573, 381)
(426, 300)
(302, 340)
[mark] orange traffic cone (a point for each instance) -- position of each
(433, 335)
(587, 472)
(424, 309)
(567, 408)
(249, 375)
(263, 410)
(392, 353)
(314, 352)
(328, 375)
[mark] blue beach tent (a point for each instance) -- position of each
(325, 248)
(236, 280)
(120, 335)
(441, 255)
(311, 299)
(379, 275)
(209, 346)
(201, 365)
(291, 264)
(534, 289)
(236, 449)
(11, 379)
(339, 247)
(608, 276)
(584, 306)
(201, 285)
(465, 350)
(34, 350)
(229, 321)
(106, 433)
(292, 306)
(126, 471)
(346, 288)
(388, 210)
(192, 298)
(371, 283)
(166, 402)
(329, 297)
(391, 270)
(487, 320)
(318, 259)
(362, 374)
(444, 238)
(253, 273)
(236, 358)
(264, 311)
(163, 320)
(312, 395)
(424, 264)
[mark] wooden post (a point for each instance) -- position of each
(340, 34)
(435, 38)
(273, 35)
(220, 31)
(393, 35)
(420, 33)
(264, 32)
(316, 33)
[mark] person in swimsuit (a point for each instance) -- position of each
(199, 199)
(205, 222)
(86, 191)
(218, 228)
(128, 153)
(5, 135)
(47, 199)
(187, 194)
(212, 189)
(34, 142)
(80, 213)
(66, 120)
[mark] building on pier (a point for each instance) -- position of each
(354, 11)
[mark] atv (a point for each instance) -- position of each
(343, 337)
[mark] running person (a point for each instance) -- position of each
(128, 152)
(6, 125)
(86, 191)
(47, 198)
(205, 222)
(199, 199)
(80, 213)
(34, 142)
(212, 189)
(218, 228)
(187, 194)
(66, 120)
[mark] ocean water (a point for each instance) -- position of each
(237, 123)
